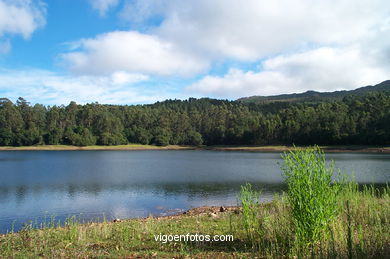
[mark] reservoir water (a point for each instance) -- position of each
(38, 185)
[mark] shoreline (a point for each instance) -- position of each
(209, 211)
(136, 147)
(147, 237)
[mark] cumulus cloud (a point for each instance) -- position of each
(102, 6)
(47, 87)
(21, 17)
(130, 51)
(253, 29)
(323, 69)
(299, 45)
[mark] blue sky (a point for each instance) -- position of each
(142, 51)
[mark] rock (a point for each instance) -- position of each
(213, 215)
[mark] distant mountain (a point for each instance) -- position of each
(317, 96)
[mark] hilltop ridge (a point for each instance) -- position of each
(317, 96)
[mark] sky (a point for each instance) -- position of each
(143, 51)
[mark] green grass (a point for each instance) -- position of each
(250, 202)
(362, 229)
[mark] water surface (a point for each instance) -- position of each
(122, 184)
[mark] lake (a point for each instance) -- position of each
(38, 185)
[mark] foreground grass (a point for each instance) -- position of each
(361, 230)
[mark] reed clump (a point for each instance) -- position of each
(312, 195)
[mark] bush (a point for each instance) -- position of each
(162, 137)
(53, 137)
(85, 139)
(194, 138)
(6, 137)
(138, 135)
(311, 193)
(109, 139)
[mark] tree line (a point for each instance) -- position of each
(363, 120)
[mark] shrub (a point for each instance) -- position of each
(194, 138)
(162, 137)
(311, 194)
(109, 139)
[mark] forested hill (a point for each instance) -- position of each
(362, 118)
(317, 96)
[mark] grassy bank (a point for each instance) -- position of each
(361, 230)
(351, 148)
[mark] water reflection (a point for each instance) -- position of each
(206, 189)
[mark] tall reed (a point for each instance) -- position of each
(250, 204)
(312, 195)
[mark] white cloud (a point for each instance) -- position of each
(21, 17)
(103, 5)
(41, 86)
(253, 29)
(323, 69)
(300, 45)
(133, 52)
(121, 78)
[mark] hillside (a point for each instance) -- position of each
(310, 96)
